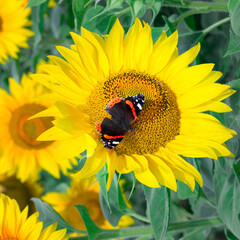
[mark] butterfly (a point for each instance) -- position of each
(124, 111)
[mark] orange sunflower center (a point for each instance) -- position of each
(159, 120)
(24, 132)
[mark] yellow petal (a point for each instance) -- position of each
(178, 64)
(162, 53)
(114, 47)
(189, 77)
(99, 44)
(162, 172)
(94, 163)
(147, 178)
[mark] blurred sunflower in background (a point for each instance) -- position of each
(84, 192)
(97, 70)
(14, 224)
(21, 154)
(21, 192)
(14, 32)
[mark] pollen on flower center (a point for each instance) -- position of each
(159, 120)
(23, 131)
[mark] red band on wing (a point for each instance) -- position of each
(128, 102)
(112, 137)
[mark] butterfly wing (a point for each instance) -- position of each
(121, 115)
(111, 134)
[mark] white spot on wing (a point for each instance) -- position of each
(139, 106)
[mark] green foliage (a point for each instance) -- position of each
(158, 213)
(158, 209)
(33, 3)
(49, 216)
(79, 9)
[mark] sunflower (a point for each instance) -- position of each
(13, 28)
(147, 137)
(86, 192)
(21, 192)
(14, 224)
(21, 153)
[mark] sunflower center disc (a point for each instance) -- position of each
(24, 132)
(159, 120)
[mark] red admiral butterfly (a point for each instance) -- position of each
(124, 112)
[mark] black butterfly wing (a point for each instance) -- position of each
(111, 134)
(121, 115)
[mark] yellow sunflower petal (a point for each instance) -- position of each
(98, 42)
(114, 47)
(147, 178)
(162, 172)
(163, 50)
(93, 164)
(179, 64)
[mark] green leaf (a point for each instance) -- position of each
(49, 216)
(33, 3)
(158, 209)
(229, 235)
(184, 191)
(114, 4)
(102, 179)
(232, 4)
(80, 163)
(171, 25)
(235, 84)
(38, 22)
(234, 9)
(156, 32)
(155, 5)
(92, 23)
(234, 43)
(137, 6)
(228, 203)
(91, 227)
(79, 10)
(118, 208)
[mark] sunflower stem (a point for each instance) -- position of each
(139, 217)
(192, 233)
(209, 6)
(190, 13)
(215, 25)
(147, 230)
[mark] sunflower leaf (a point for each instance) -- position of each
(79, 10)
(234, 10)
(229, 235)
(101, 177)
(158, 209)
(228, 195)
(33, 3)
(49, 216)
(184, 191)
(91, 227)
(234, 43)
(117, 208)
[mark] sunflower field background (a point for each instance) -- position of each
(51, 201)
